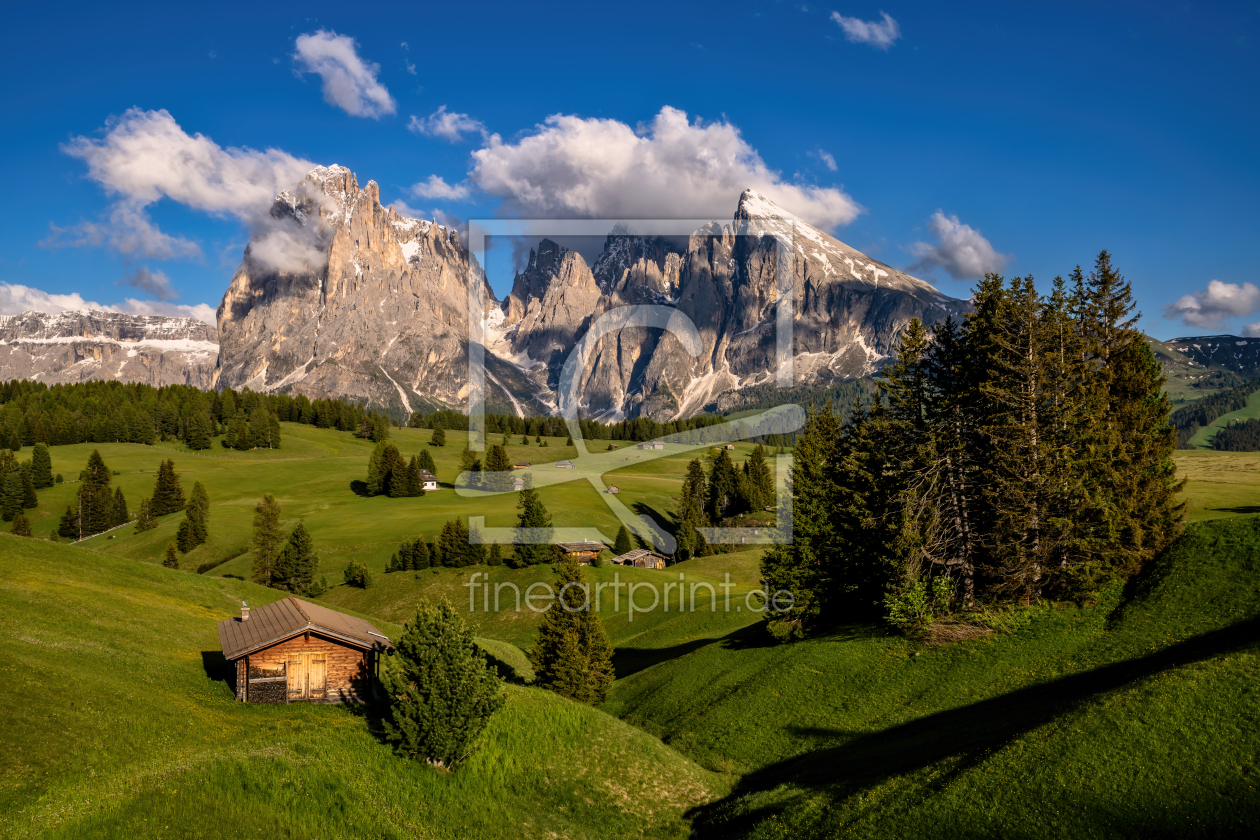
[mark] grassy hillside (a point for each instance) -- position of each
(118, 723)
(1204, 437)
(1136, 716)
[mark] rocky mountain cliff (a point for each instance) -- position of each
(382, 315)
(88, 344)
(383, 319)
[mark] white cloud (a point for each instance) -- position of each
(16, 299)
(962, 252)
(1210, 308)
(447, 125)
(411, 68)
(671, 168)
(145, 156)
(156, 283)
(828, 160)
(436, 187)
(349, 81)
(878, 33)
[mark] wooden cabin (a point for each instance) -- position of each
(585, 552)
(641, 558)
(295, 651)
(613, 488)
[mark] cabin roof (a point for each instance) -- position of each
(289, 617)
(629, 557)
(585, 545)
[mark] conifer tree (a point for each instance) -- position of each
(121, 514)
(68, 527)
(168, 495)
(172, 559)
(758, 480)
(494, 557)
(420, 554)
(267, 540)
(723, 484)
(439, 434)
(533, 522)
(499, 468)
(297, 562)
(21, 525)
(41, 467)
(145, 521)
(425, 461)
(29, 497)
(691, 513)
(573, 656)
(394, 565)
(440, 689)
(623, 543)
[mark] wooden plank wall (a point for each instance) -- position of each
(349, 668)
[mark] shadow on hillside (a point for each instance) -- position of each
(1241, 509)
(505, 671)
(665, 521)
(967, 734)
(359, 487)
(627, 661)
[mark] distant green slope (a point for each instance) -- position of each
(1204, 437)
(1138, 716)
(117, 723)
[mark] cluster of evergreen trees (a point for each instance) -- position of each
(1025, 453)
(18, 482)
(453, 547)
(1239, 436)
(95, 508)
(388, 474)
(281, 561)
(726, 491)
(1190, 418)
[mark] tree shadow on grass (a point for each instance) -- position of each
(1240, 509)
(627, 661)
(967, 734)
(359, 487)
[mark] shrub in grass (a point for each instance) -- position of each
(356, 574)
(21, 525)
(172, 559)
(440, 689)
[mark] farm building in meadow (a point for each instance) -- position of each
(293, 650)
(641, 558)
(428, 480)
(585, 552)
(613, 488)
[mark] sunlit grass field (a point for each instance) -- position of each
(1132, 716)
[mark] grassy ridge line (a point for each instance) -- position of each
(1134, 717)
(115, 728)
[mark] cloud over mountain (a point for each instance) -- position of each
(16, 299)
(1211, 307)
(670, 168)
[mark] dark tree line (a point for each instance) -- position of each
(1239, 436)
(95, 508)
(1020, 455)
(725, 491)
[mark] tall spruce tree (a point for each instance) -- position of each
(168, 494)
(11, 500)
(723, 487)
(623, 543)
(297, 562)
(572, 656)
(534, 531)
(171, 561)
(145, 521)
(691, 513)
(267, 540)
(41, 467)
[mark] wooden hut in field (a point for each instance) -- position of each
(641, 558)
(293, 650)
(585, 551)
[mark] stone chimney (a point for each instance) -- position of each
(244, 611)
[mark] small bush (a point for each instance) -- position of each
(60, 478)
(356, 574)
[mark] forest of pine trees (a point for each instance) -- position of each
(1239, 436)
(1023, 454)
(95, 508)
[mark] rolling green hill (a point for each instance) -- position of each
(118, 723)
(1134, 716)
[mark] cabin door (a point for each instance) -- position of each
(308, 676)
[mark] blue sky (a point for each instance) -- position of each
(941, 137)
